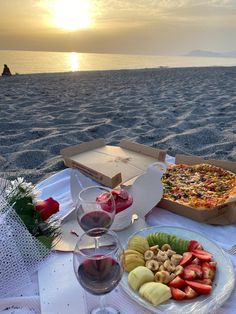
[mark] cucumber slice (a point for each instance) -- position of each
(150, 239)
(177, 244)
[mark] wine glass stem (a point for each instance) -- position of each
(96, 243)
(102, 302)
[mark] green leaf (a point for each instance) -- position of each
(29, 222)
(47, 241)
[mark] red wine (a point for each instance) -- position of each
(100, 275)
(95, 219)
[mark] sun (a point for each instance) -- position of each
(71, 14)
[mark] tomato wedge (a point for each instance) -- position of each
(193, 245)
(187, 257)
(196, 268)
(208, 270)
(190, 293)
(177, 282)
(202, 255)
(201, 288)
(177, 294)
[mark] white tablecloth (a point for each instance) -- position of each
(58, 186)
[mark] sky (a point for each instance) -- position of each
(158, 27)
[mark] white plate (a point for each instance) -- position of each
(222, 285)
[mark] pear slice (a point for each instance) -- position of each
(132, 261)
(138, 243)
(155, 292)
(138, 276)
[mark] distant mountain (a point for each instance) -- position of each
(204, 53)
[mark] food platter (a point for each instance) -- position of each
(222, 286)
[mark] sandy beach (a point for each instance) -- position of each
(182, 110)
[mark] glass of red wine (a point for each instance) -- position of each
(99, 265)
(95, 208)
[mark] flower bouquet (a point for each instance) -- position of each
(35, 214)
(27, 234)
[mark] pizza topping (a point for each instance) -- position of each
(198, 186)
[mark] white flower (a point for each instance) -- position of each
(20, 188)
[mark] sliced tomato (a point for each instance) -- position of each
(177, 294)
(196, 268)
(213, 265)
(196, 261)
(188, 274)
(187, 258)
(190, 293)
(177, 282)
(205, 281)
(208, 270)
(200, 288)
(193, 245)
(202, 255)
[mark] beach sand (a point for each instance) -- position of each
(182, 110)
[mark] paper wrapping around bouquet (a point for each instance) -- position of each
(20, 253)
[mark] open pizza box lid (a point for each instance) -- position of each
(220, 215)
(112, 165)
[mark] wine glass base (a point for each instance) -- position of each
(105, 310)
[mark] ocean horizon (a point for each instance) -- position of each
(30, 62)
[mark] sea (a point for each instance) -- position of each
(28, 62)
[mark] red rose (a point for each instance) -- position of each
(47, 208)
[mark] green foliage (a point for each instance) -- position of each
(22, 200)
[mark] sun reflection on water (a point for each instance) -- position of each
(74, 61)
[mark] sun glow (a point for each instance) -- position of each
(74, 61)
(71, 14)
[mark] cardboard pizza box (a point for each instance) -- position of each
(112, 165)
(220, 215)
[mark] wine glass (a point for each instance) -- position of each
(99, 265)
(95, 208)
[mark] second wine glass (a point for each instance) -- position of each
(95, 208)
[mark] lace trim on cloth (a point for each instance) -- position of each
(20, 256)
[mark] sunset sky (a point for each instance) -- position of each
(163, 27)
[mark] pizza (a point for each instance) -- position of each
(201, 186)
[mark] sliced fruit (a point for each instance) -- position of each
(155, 292)
(187, 258)
(208, 270)
(189, 274)
(177, 244)
(132, 261)
(190, 293)
(128, 252)
(201, 288)
(138, 276)
(177, 294)
(138, 243)
(177, 282)
(196, 261)
(151, 239)
(202, 255)
(213, 265)
(196, 268)
(123, 199)
(193, 245)
(205, 281)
